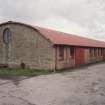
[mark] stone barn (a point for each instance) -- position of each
(26, 46)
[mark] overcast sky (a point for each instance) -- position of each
(81, 17)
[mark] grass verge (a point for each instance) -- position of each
(22, 72)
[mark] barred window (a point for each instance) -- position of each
(72, 52)
(91, 52)
(101, 51)
(95, 52)
(61, 52)
(7, 36)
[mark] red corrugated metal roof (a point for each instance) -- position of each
(62, 38)
(57, 37)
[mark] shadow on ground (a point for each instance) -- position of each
(15, 79)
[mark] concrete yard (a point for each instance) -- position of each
(83, 86)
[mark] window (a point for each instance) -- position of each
(95, 52)
(72, 51)
(61, 52)
(101, 52)
(6, 36)
(91, 52)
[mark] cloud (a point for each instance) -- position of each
(63, 25)
(82, 17)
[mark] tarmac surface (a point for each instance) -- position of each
(83, 86)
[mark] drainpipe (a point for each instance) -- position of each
(55, 51)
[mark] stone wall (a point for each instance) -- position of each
(27, 46)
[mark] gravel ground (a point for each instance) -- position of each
(84, 86)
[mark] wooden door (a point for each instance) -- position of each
(79, 56)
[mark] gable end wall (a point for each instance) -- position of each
(28, 46)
